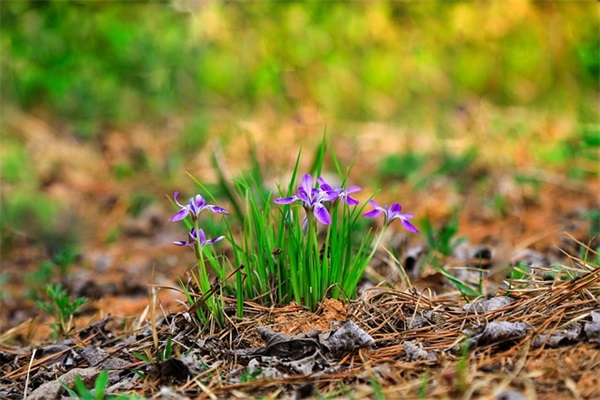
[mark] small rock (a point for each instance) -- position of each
(530, 258)
(52, 389)
(416, 352)
(498, 332)
(488, 305)
(510, 395)
(592, 329)
(559, 337)
(347, 338)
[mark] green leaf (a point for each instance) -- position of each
(71, 392)
(101, 384)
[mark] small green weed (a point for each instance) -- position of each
(80, 391)
(36, 281)
(461, 379)
(519, 271)
(60, 305)
(590, 256)
(3, 281)
(530, 185)
(377, 388)
(594, 217)
(442, 241)
(83, 393)
(63, 259)
(402, 166)
(250, 375)
(456, 165)
(422, 392)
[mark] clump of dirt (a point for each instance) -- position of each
(293, 319)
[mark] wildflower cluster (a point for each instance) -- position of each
(294, 261)
(313, 198)
(320, 265)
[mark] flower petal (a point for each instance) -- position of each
(214, 240)
(351, 202)
(175, 198)
(326, 188)
(201, 237)
(307, 184)
(192, 235)
(285, 200)
(322, 214)
(199, 201)
(181, 214)
(395, 210)
(375, 204)
(327, 195)
(305, 197)
(322, 182)
(217, 209)
(409, 227)
(373, 213)
(197, 204)
(353, 189)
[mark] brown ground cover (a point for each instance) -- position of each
(543, 344)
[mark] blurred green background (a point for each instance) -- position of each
(422, 68)
(96, 62)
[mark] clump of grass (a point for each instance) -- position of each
(297, 247)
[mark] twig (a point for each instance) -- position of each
(28, 374)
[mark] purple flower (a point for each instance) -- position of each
(390, 213)
(312, 199)
(196, 205)
(339, 193)
(198, 238)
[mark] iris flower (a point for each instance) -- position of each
(200, 238)
(312, 199)
(338, 192)
(196, 205)
(391, 213)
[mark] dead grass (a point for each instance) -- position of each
(537, 363)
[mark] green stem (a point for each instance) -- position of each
(377, 242)
(350, 285)
(203, 275)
